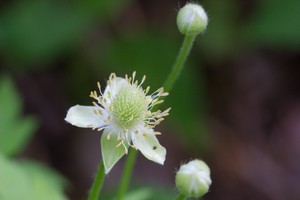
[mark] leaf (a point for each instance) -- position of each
(29, 181)
(15, 131)
(14, 138)
(10, 101)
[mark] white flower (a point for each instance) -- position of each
(124, 112)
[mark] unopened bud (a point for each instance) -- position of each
(191, 19)
(193, 179)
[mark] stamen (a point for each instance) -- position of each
(164, 94)
(157, 133)
(147, 90)
(142, 81)
(119, 144)
(112, 76)
(100, 129)
(108, 136)
(133, 76)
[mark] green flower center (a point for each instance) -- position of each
(129, 107)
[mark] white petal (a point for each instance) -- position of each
(84, 116)
(111, 149)
(113, 88)
(149, 145)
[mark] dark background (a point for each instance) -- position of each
(236, 105)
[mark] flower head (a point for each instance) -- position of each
(193, 179)
(191, 19)
(124, 112)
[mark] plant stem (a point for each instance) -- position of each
(180, 197)
(179, 63)
(127, 173)
(98, 182)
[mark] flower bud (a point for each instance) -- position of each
(191, 19)
(193, 179)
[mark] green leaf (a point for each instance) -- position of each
(10, 101)
(14, 138)
(15, 132)
(111, 150)
(29, 181)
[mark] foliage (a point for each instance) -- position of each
(21, 179)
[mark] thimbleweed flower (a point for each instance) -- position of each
(191, 19)
(124, 112)
(193, 179)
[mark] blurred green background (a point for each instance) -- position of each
(236, 104)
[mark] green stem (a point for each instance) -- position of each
(179, 63)
(98, 182)
(180, 197)
(127, 173)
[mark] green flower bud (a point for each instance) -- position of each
(191, 19)
(193, 179)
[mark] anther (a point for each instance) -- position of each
(133, 75)
(100, 129)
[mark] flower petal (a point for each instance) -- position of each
(112, 88)
(84, 116)
(149, 145)
(111, 149)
